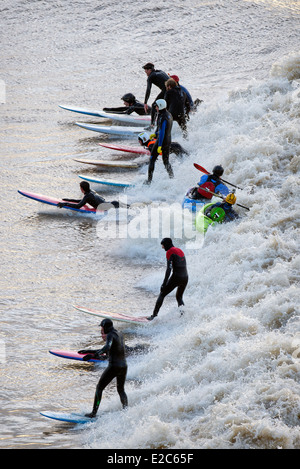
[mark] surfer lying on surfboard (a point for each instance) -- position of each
(130, 105)
(92, 198)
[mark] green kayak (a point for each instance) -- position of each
(202, 221)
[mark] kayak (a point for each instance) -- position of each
(192, 204)
(203, 222)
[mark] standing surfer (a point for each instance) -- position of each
(158, 78)
(176, 263)
(163, 139)
(117, 365)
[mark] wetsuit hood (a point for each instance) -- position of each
(167, 243)
(107, 325)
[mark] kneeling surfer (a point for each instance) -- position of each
(147, 142)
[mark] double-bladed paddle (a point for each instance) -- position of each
(203, 170)
(221, 197)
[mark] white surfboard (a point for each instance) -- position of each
(126, 118)
(112, 130)
(106, 182)
(114, 316)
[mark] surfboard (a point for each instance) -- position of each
(106, 183)
(71, 417)
(126, 149)
(113, 130)
(111, 164)
(75, 356)
(53, 201)
(114, 316)
(126, 118)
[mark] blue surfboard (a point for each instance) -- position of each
(113, 130)
(71, 417)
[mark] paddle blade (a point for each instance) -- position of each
(200, 168)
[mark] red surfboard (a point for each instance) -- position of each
(75, 356)
(53, 201)
(127, 149)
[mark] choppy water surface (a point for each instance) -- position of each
(226, 375)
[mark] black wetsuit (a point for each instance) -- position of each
(134, 107)
(91, 198)
(157, 78)
(178, 105)
(117, 367)
(163, 134)
(176, 263)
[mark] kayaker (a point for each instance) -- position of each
(212, 182)
(117, 365)
(226, 205)
(176, 263)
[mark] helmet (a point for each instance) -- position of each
(144, 136)
(218, 170)
(231, 199)
(128, 98)
(175, 77)
(107, 325)
(161, 104)
(167, 243)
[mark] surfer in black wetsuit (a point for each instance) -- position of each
(176, 263)
(158, 78)
(117, 365)
(177, 104)
(163, 140)
(90, 197)
(130, 105)
(147, 142)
